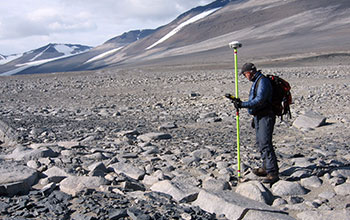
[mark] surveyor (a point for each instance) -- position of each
(259, 105)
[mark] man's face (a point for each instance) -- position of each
(249, 75)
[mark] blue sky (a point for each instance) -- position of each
(29, 24)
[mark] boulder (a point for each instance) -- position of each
(235, 206)
(324, 215)
(55, 174)
(16, 179)
(8, 136)
(128, 169)
(343, 189)
(256, 191)
(214, 184)
(312, 181)
(26, 154)
(179, 191)
(309, 120)
(74, 184)
(286, 188)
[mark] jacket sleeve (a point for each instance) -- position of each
(264, 91)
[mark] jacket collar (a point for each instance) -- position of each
(256, 76)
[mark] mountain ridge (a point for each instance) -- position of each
(267, 29)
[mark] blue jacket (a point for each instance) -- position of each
(261, 101)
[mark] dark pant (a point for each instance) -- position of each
(264, 128)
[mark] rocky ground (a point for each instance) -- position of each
(161, 144)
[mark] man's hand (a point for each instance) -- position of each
(236, 101)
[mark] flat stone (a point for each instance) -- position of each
(214, 184)
(15, 178)
(154, 136)
(309, 120)
(286, 188)
(169, 125)
(303, 162)
(179, 191)
(324, 215)
(24, 153)
(128, 169)
(69, 144)
(8, 136)
(56, 172)
(343, 189)
(327, 195)
(33, 164)
(312, 181)
(202, 153)
(345, 172)
(117, 214)
(132, 186)
(97, 166)
(128, 133)
(235, 206)
(74, 184)
(208, 115)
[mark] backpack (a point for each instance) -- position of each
(281, 96)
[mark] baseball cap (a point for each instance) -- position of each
(248, 67)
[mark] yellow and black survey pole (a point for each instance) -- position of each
(235, 45)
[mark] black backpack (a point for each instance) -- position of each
(281, 95)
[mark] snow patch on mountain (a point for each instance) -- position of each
(102, 55)
(66, 50)
(40, 54)
(27, 65)
(7, 59)
(182, 25)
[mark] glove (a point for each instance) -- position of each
(237, 103)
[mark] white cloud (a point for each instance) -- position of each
(29, 24)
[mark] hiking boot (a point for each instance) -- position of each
(271, 178)
(259, 171)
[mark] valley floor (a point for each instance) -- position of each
(96, 107)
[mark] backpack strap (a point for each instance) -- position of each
(256, 85)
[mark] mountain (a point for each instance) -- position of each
(68, 57)
(18, 63)
(271, 31)
(8, 58)
(129, 37)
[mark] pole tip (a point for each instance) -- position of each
(235, 44)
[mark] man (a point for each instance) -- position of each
(259, 106)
